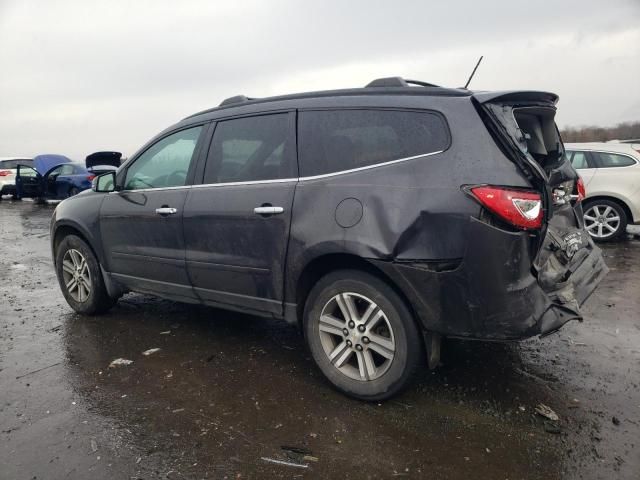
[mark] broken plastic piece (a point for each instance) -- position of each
(282, 462)
(546, 412)
(118, 362)
(151, 351)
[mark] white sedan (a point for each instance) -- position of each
(611, 175)
(8, 168)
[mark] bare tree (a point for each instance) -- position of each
(622, 131)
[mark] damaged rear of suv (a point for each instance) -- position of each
(564, 262)
(378, 219)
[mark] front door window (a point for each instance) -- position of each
(166, 163)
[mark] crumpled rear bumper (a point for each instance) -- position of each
(567, 298)
(493, 292)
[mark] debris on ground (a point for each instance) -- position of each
(298, 454)
(546, 412)
(282, 462)
(296, 450)
(551, 427)
(120, 362)
(151, 351)
(167, 332)
(37, 370)
(615, 421)
(94, 446)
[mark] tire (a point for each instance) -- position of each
(600, 218)
(73, 191)
(365, 373)
(89, 297)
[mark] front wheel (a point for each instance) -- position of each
(605, 220)
(361, 335)
(80, 277)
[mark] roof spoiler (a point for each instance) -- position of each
(516, 96)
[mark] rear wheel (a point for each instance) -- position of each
(604, 220)
(73, 191)
(80, 277)
(361, 335)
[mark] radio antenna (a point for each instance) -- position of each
(473, 73)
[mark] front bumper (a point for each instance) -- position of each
(493, 293)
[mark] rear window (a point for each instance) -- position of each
(251, 149)
(338, 140)
(578, 160)
(609, 160)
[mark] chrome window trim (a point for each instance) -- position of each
(288, 180)
(368, 167)
(248, 182)
(154, 189)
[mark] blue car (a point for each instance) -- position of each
(56, 177)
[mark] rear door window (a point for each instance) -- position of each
(251, 149)
(611, 160)
(579, 160)
(337, 140)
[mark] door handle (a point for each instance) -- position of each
(166, 210)
(268, 210)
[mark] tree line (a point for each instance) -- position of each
(622, 131)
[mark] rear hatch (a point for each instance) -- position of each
(103, 161)
(567, 264)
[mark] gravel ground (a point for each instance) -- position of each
(228, 395)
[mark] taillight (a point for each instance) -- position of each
(90, 177)
(582, 192)
(5, 173)
(521, 208)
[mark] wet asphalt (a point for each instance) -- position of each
(227, 394)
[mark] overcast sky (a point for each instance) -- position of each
(81, 76)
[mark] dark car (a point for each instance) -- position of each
(378, 219)
(57, 177)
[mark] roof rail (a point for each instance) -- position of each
(236, 99)
(397, 82)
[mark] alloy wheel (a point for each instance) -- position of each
(601, 221)
(356, 336)
(76, 275)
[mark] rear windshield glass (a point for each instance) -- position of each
(337, 140)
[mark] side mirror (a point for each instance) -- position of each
(104, 183)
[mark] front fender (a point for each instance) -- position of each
(82, 215)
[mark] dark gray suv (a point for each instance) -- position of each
(378, 219)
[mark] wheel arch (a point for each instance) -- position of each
(63, 230)
(619, 201)
(324, 264)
